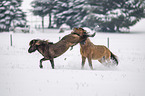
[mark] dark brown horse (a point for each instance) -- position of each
(51, 51)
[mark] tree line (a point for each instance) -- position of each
(102, 15)
(109, 15)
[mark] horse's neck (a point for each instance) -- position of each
(86, 43)
(41, 49)
(61, 47)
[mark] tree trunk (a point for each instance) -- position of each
(49, 21)
(43, 22)
(8, 26)
(118, 29)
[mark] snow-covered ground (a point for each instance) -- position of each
(20, 74)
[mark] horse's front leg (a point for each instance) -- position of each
(52, 63)
(71, 48)
(83, 61)
(43, 59)
(90, 62)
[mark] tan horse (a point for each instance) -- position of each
(96, 52)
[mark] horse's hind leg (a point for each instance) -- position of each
(108, 62)
(102, 61)
(52, 63)
(107, 59)
(83, 61)
(105, 62)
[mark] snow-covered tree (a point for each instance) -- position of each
(11, 15)
(61, 8)
(110, 15)
(113, 15)
(43, 8)
(70, 12)
(38, 10)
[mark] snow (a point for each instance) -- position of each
(11, 13)
(2, 20)
(2, 8)
(7, 22)
(138, 26)
(7, 18)
(12, 7)
(64, 5)
(42, 0)
(38, 8)
(65, 26)
(7, 3)
(88, 30)
(1, 15)
(20, 74)
(7, 12)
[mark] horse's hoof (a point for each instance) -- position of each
(92, 68)
(82, 68)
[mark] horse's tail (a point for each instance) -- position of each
(114, 58)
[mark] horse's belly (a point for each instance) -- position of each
(96, 57)
(98, 54)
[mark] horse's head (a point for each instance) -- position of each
(35, 43)
(82, 33)
(79, 31)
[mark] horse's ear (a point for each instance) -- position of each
(31, 42)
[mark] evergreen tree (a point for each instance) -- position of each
(115, 14)
(110, 15)
(11, 15)
(51, 6)
(61, 12)
(43, 8)
(70, 12)
(38, 10)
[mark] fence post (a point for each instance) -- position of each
(108, 42)
(11, 39)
